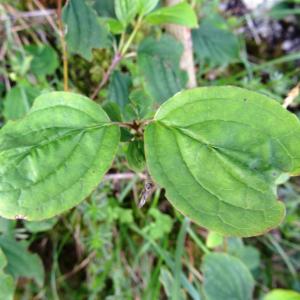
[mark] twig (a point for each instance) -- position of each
(3, 50)
(184, 36)
(78, 268)
(127, 267)
(23, 23)
(132, 36)
(47, 16)
(63, 45)
(6, 80)
(123, 176)
(115, 61)
(120, 53)
(130, 55)
(292, 95)
(253, 30)
(28, 14)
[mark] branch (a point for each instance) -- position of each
(292, 95)
(28, 14)
(184, 35)
(47, 16)
(79, 267)
(63, 45)
(124, 176)
(120, 54)
(117, 58)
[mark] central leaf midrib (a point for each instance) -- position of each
(54, 137)
(24, 154)
(216, 215)
(184, 131)
(207, 189)
(55, 170)
(215, 148)
(81, 175)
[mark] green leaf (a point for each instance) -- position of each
(226, 278)
(118, 90)
(282, 10)
(249, 255)
(141, 103)
(7, 285)
(116, 213)
(113, 111)
(215, 46)
(2, 88)
(230, 145)
(126, 10)
(161, 48)
(167, 280)
(22, 263)
(84, 31)
(160, 227)
(146, 6)
(136, 156)
(45, 60)
(214, 240)
(181, 14)
(140, 106)
(54, 157)
(105, 8)
(160, 67)
(115, 26)
(41, 225)
(19, 100)
(281, 294)
(20, 64)
(7, 226)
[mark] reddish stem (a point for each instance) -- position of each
(117, 58)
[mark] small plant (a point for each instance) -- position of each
(218, 152)
(126, 97)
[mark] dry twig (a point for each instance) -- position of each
(292, 95)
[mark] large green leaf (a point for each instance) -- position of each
(84, 31)
(7, 285)
(281, 294)
(226, 278)
(181, 14)
(160, 67)
(22, 263)
(218, 152)
(215, 46)
(53, 158)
